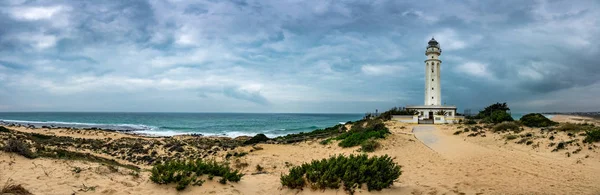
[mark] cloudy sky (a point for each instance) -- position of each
(295, 56)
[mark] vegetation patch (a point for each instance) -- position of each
(184, 173)
(495, 113)
(511, 137)
(470, 122)
(592, 136)
(351, 172)
(70, 155)
(319, 133)
(574, 127)
(536, 120)
(363, 131)
(564, 144)
(387, 115)
(370, 145)
(325, 141)
(19, 147)
(4, 129)
(506, 126)
(258, 138)
(17, 189)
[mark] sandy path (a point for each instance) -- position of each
(512, 171)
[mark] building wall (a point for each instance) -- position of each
(406, 118)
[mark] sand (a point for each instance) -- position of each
(452, 164)
(574, 119)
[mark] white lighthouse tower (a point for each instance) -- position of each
(432, 111)
(433, 91)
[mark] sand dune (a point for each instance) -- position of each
(452, 164)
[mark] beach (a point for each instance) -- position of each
(434, 161)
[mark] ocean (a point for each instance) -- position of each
(167, 124)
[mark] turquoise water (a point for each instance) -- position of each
(166, 124)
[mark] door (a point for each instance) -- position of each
(431, 115)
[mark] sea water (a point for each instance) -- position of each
(167, 124)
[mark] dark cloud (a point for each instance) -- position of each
(294, 56)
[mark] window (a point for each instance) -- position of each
(432, 98)
(432, 88)
(431, 57)
(431, 79)
(431, 69)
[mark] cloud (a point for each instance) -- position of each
(248, 93)
(379, 70)
(292, 56)
(475, 69)
(35, 13)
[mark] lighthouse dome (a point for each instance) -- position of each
(433, 42)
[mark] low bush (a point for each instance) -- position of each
(506, 126)
(511, 137)
(319, 133)
(363, 131)
(592, 136)
(4, 129)
(370, 145)
(351, 172)
(470, 122)
(258, 138)
(457, 132)
(498, 116)
(387, 115)
(574, 127)
(325, 141)
(19, 147)
(536, 120)
(70, 155)
(185, 172)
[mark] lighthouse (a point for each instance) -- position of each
(432, 111)
(433, 92)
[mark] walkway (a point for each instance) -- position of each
(446, 145)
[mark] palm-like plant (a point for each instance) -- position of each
(441, 112)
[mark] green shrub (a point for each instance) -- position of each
(4, 129)
(258, 138)
(19, 147)
(185, 172)
(319, 133)
(511, 137)
(487, 112)
(359, 134)
(499, 116)
(470, 122)
(574, 127)
(506, 126)
(457, 132)
(387, 115)
(351, 172)
(536, 120)
(325, 141)
(592, 136)
(370, 145)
